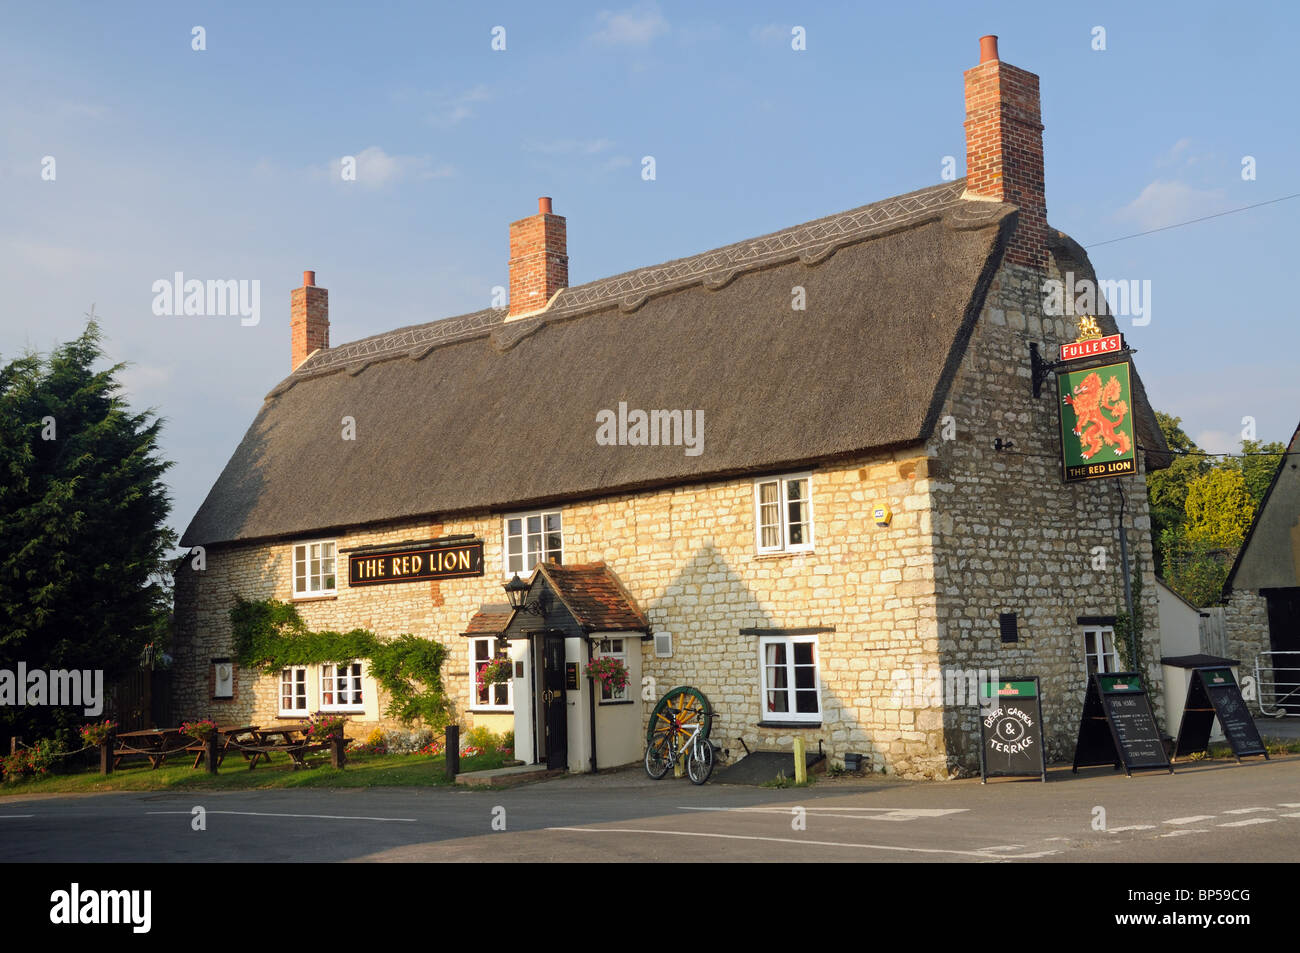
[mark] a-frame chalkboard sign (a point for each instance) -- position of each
(1214, 692)
(1118, 726)
(1011, 730)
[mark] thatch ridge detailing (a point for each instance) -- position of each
(818, 238)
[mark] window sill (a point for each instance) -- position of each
(611, 702)
(788, 724)
(324, 598)
(492, 711)
(341, 711)
(785, 554)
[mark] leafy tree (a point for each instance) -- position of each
(1218, 507)
(1167, 488)
(83, 539)
(1198, 554)
(1260, 462)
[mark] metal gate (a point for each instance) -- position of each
(1277, 675)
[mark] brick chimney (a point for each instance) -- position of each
(1004, 148)
(309, 319)
(539, 259)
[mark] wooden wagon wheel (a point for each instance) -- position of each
(676, 715)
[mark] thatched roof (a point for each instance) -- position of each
(478, 413)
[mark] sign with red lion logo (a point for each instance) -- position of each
(1096, 423)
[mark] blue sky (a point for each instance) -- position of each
(222, 163)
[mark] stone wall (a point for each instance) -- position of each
(687, 556)
(1246, 621)
(1012, 537)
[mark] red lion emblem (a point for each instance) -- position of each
(1089, 399)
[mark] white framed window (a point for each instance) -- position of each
(496, 696)
(293, 690)
(612, 648)
(531, 538)
(790, 688)
(1099, 653)
(783, 518)
(313, 569)
(340, 686)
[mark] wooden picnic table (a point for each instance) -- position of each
(154, 743)
(296, 748)
(226, 736)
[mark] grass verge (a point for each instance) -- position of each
(362, 771)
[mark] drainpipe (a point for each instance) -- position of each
(591, 706)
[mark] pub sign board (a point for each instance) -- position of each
(1212, 693)
(1118, 725)
(416, 563)
(1011, 730)
(1097, 438)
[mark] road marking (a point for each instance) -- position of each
(1190, 820)
(882, 813)
(11, 816)
(1254, 820)
(1289, 804)
(1249, 810)
(1185, 830)
(1284, 815)
(795, 840)
(1131, 827)
(321, 817)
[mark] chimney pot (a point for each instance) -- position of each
(539, 259)
(309, 320)
(988, 48)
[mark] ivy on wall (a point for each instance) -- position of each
(270, 635)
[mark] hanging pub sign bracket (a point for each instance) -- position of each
(1090, 343)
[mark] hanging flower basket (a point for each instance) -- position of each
(199, 730)
(497, 670)
(609, 671)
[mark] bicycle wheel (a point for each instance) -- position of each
(700, 764)
(658, 757)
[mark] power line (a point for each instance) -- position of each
(1242, 455)
(1193, 221)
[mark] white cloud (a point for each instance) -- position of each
(57, 259)
(1218, 441)
(375, 168)
(143, 382)
(556, 147)
(448, 109)
(1176, 153)
(1167, 203)
(635, 26)
(771, 33)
